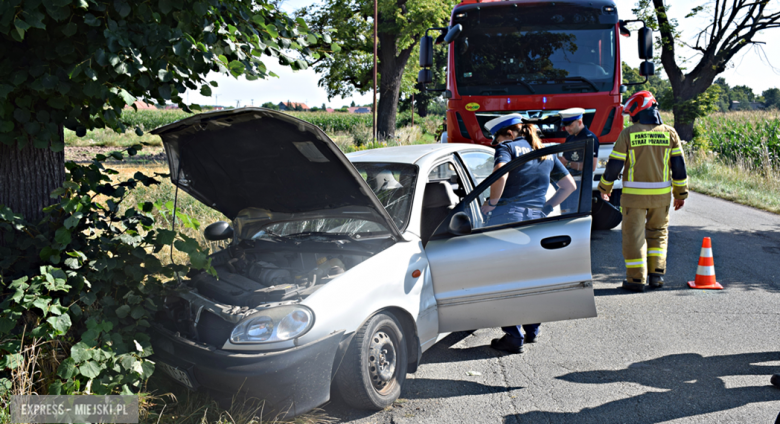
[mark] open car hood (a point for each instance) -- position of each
(236, 159)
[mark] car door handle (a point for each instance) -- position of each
(556, 242)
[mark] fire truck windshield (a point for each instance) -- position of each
(533, 50)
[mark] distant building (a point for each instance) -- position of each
(292, 106)
(359, 109)
(141, 105)
(329, 109)
(736, 105)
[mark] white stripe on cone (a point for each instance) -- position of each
(706, 252)
(705, 270)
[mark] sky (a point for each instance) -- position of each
(750, 67)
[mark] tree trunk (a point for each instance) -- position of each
(685, 131)
(28, 176)
(391, 69)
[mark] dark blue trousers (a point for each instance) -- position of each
(517, 335)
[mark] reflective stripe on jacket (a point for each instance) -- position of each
(651, 159)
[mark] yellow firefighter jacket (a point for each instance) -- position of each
(652, 164)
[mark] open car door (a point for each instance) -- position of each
(492, 274)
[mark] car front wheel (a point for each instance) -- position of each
(374, 366)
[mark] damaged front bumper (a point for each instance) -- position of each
(291, 381)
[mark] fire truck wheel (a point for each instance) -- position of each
(605, 217)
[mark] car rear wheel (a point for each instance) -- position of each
(604, 216)
(374, 366)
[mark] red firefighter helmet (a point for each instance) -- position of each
(638, 102)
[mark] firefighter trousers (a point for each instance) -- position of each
(645, 227)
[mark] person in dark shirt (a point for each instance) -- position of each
(521, 195)
(573, 161)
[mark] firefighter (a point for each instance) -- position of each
(650, 157)
(573, 161)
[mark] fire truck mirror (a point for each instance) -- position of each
(453, 33)
(425, 76)
(645, 43)
(426, 52)
(646, 69)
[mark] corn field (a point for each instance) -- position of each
(751, 137)
(149, 119)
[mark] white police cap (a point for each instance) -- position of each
(495, 125)
(570, 115)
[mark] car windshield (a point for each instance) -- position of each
(393, 184)
(533, 50)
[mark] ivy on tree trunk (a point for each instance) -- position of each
(28, 176)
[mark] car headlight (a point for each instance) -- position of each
(602, 163)
(274, 325)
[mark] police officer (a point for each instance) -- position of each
(650, 157)
(573, 160)
(521, 195)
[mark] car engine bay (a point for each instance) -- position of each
(254, 274)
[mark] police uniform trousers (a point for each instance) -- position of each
(645, 227)
(531, 330)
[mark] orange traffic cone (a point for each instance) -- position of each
(705, 274)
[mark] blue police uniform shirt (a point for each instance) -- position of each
(583, 135)
(527, 185)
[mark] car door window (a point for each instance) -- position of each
(533, 182)
(479, 164)
(528, 190)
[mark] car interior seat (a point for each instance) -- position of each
(438, 201)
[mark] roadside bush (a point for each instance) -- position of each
(83, 285)
(404, 119)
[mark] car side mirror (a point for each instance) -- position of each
(219, 230)
(460, 224)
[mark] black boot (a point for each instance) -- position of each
(656, 281)
(507, 345)
(635, 287)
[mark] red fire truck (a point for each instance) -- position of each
(535, 58)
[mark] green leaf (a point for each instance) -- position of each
(67, 368)
(21, 26)
(236, 68)
(91, 20)
(138, 312)
(205, 90)
(62, 236)
(80, 352)
(42, 303)
(70, 29)
(122, 8)
(165, 6)
(123, 311)
(90, 369)
(164, 91)
(147, 369)
(61, 323)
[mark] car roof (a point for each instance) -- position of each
(411, 154)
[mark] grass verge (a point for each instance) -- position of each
(737, 182)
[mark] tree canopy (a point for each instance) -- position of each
(79, 62)
(401, 24)
(732, 25)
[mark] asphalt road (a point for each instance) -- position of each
(673, 355)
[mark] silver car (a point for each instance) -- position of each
(342, 270)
